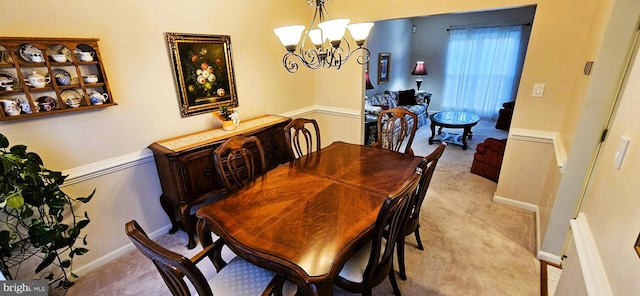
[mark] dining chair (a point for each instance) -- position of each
(236, 161)
(412, 221)
(394, 128)
(238, 277)
(371, 264)
(299, 136)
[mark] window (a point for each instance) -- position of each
(481, 67)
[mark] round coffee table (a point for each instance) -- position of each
(453, 119)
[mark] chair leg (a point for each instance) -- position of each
(401, 267)
(417, 232)
(394, 283)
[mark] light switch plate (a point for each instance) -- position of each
(621, 151)
(538, 90)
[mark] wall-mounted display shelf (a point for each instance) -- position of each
(45, 76)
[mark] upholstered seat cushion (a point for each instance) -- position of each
(353, 269)
(240, 277)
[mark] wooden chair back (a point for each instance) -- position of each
(412, 224)
(300, 134)
(385, 234)
(173, 267)
(394, 129)
(238, 161)
(427, 166)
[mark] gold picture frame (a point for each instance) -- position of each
(203, 70)
(384, 65)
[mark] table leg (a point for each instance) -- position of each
(465, 134)
(433, 132)
(188, 224)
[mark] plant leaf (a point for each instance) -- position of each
(15, 200)
(4, 142)
(80, 251)
(82, 224)
(86, 199)
(46, 262)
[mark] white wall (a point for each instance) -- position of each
(612, 200)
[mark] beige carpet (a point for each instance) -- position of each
(473, 246)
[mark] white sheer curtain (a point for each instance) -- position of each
(480, 69)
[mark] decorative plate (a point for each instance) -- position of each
(4, 75)
(62, 77)
(71, 97)
(46, 103)
(26, 49)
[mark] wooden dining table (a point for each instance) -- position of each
(305, 218)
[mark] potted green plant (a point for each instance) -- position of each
(37, 219)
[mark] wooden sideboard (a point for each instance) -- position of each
(186, 170)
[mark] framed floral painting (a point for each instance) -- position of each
(203, 70)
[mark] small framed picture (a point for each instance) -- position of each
(203, 70)
(384, 64)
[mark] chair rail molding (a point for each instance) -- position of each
(107, 166)
(539, 136)
(595, 277)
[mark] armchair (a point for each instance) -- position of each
(488, 158)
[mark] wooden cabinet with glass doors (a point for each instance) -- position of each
(45, 76)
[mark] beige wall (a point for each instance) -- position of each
(139, 70)
(612, 200)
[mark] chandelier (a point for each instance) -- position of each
(332, 54)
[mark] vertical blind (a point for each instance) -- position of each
(481, 69)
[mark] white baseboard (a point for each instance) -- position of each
(594, 274)
(515, 203)
(97, 263)
(525, 206)
(548, 257)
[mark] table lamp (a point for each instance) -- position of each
(419, 70)
(367, 81)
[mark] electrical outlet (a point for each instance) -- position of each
(538, 90)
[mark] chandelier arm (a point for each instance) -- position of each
(365, 57)
(312, 59)
(289, 63)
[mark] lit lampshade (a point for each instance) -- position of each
(367, 81)
(420, 69)
(316, 37)
(334, 30)
(360, 31)
(289, 36)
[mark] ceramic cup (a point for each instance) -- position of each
(10, 107)
(85, 56)
(72, 103)
(6, 84)
(59, 57)
(36, 57)
(90, 78)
